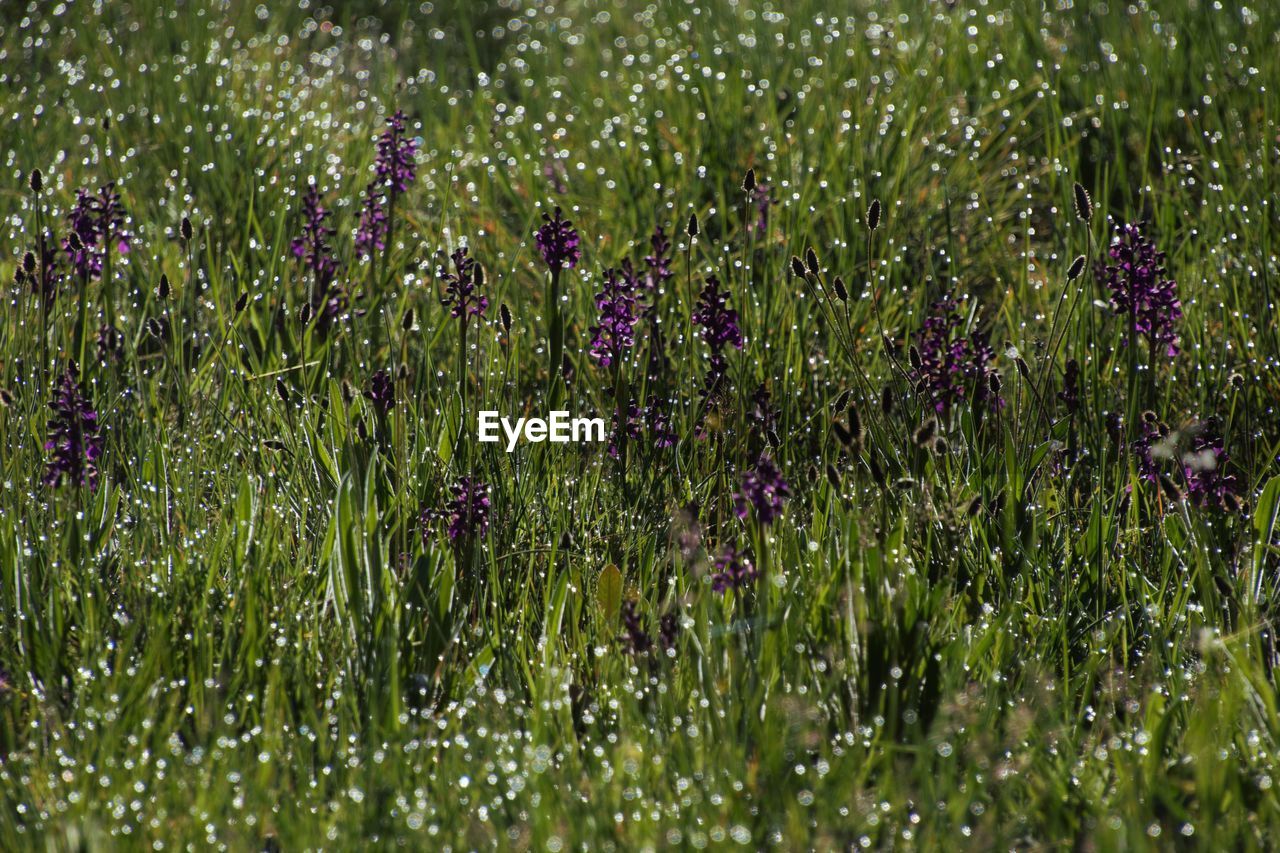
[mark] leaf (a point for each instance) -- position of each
(609, 592)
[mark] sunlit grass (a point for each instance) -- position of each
(974, 624)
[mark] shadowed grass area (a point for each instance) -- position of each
(261, 585)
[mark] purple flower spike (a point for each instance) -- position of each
(371, 234)
(461, 286)
(718, 321)
(634, 638)
(75, 441)
(616, 302)
(1141, 291)
(395, 165)
(947, 367)
(97, 221)
(467, 512)
(558, 242)
(732, 571)
(312, 245)
(763, 492)
(658, 262)
(1203, 468)
(381, 393)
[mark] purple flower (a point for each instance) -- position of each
(111, 219)
(311, 247)
(1140, 290)
(616, 303)
(394, 165)
(558, 242)
(946, 366)
(668, 631)
(658, 262)
(763, 491)
(658, 421)
(634, 637)
(461, 285)
(75, 442)
(630, 430)
(732, 571)
(720, 329)
(1203, 470)
(718, 321)
(1150, 443)
(467, 512)
(95, 221)
(381, 393)
(371, 233)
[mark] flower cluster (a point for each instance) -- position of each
(732, 571)
(1140, 289)
(381, 393)
(558, 241)
(616, 303)
(75, 440)
(946, 366)
(312, 249)
(657, 264)
(634, 637)
(720, 329)
(462, 284)
(637, 641)
(467, 512)
(394, 165)
(371, 233)
(394, 170)
(96, 221)
(1203, 470)
(763, 492)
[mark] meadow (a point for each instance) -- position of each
(936, 343)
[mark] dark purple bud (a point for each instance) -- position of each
(873, 215)
(163, 290)
(692, 229)
(186, 230)
(811, 261)
(36, 181)
(504, 313)
(797, 267)
(282, 390)
(749, 182)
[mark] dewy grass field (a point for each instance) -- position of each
(936, 349)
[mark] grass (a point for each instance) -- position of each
(242, 637)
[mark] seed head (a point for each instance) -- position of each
(1082, 203)
(873, 215)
